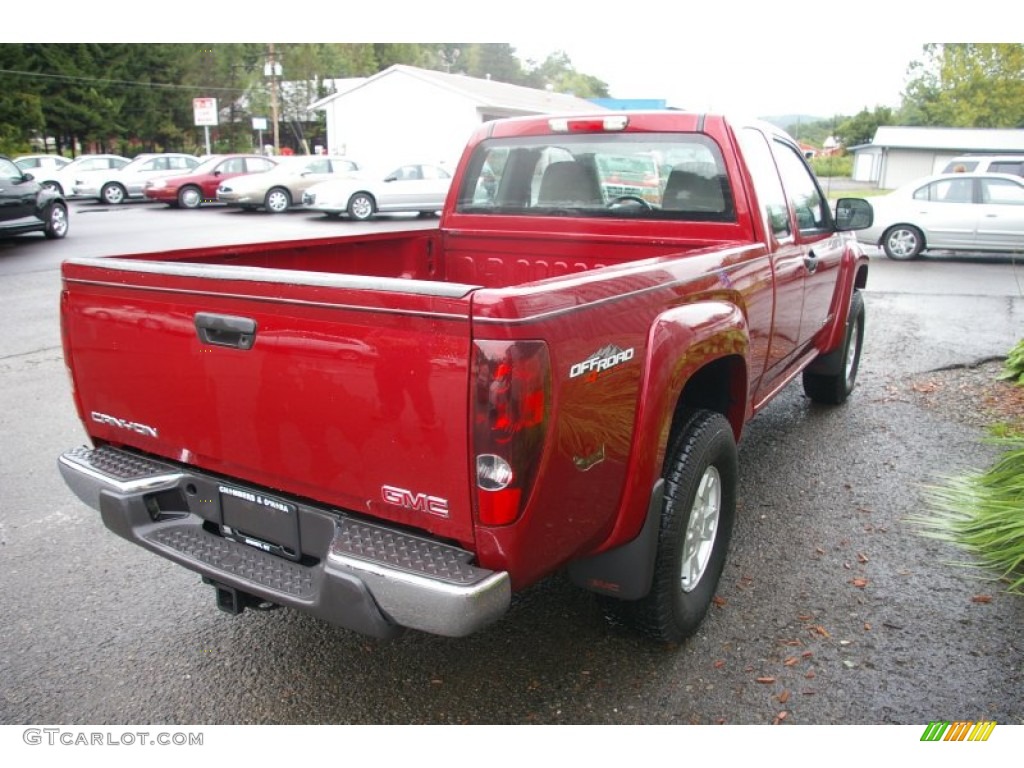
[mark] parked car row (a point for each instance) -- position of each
(335, 186)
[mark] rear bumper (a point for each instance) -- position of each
(362, 576)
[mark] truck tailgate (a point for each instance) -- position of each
(351, 392)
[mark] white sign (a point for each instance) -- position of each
(259, 123)
(205, 111)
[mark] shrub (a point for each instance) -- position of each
(1013, 368)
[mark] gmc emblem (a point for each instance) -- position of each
(418, 502)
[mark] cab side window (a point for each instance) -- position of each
(804, 195)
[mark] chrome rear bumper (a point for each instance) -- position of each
(363, 576)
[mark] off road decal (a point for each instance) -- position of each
(601, 361)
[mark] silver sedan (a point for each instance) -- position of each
(420, 187)
(950, 212)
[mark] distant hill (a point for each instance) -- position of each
(786, 121)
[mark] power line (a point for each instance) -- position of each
(111, 81)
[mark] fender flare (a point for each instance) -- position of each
(681, 342)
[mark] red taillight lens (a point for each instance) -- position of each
(512, 392)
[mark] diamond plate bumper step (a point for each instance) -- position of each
(371, 578)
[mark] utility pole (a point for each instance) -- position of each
(273, 68)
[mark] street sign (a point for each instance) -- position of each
(205, 111)
(259, 123)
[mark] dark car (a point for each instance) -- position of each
(26, 206)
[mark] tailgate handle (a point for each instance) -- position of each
(226, 330)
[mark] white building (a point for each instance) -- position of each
(900, 154)
(405, 113)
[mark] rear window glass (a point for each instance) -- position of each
(641, 175)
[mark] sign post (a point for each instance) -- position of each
(205, 113)
(259, 124)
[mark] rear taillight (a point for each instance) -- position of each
(511, 405)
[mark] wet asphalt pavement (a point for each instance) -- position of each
(831, 610)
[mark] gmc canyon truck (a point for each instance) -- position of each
(401, 430)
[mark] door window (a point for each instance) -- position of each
(1002, 192)
(808, 202)
(9, 171)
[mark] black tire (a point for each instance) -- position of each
(113, 194)
(903, 242)
(56, 221)
(190, 197)
(361, 206)
(700, 487)
(834, 387)
(277, 200)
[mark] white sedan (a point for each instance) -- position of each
(950, 212)
(415, 187)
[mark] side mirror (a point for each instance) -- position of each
(853, 213)
(389, 179)
(27, 176)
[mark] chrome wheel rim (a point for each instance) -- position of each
(903, 242)
(851, 352)
(361, 207)
(277, 201)
(113, 195)
(701, 528)
(58, 221)
(190, 198)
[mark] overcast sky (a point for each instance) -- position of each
(769, 79)
(755, 58)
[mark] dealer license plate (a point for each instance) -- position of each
(261, 521)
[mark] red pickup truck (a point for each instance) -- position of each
(400, 430)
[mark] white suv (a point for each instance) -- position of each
(986, 164)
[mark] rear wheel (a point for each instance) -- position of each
(113, 194)
(696, 525)
(833, 388)
(278, 200)
(190, 197)
(56, 221)
(361, 206)
(903, 242)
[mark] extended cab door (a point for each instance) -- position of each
(786, 253)
(820, 248)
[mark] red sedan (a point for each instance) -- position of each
(200, 186)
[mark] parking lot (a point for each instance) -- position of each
(832, 609)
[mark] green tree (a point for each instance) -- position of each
(558, 73)
(21, 111)
(860, 129)
(966, 85)
(496, 61)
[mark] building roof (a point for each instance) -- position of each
(488, 94)
(952, 139)
(340, 86)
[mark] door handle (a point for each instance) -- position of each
(225, 330)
